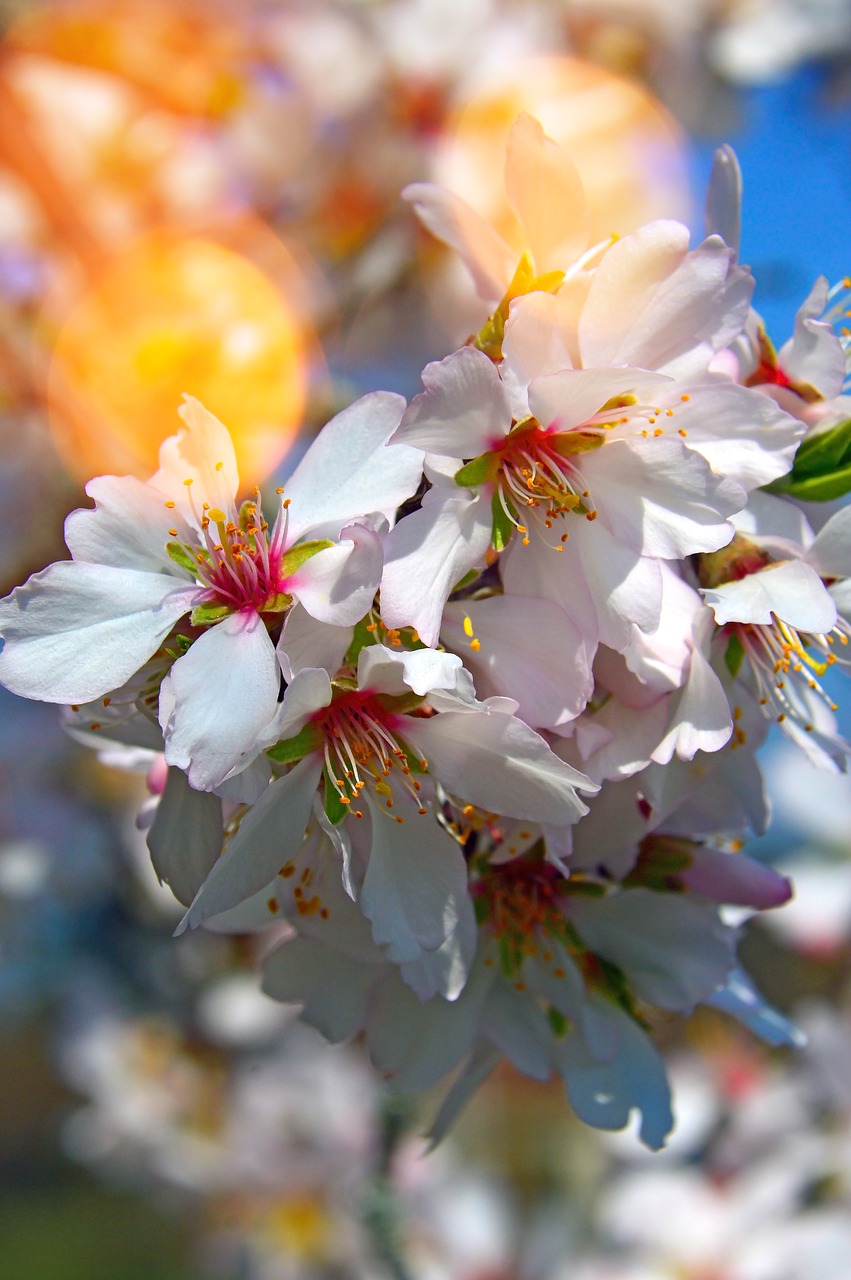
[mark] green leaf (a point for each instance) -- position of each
(183, 556)
(825, 451)
(296, 748)
(503, 527)
(477, 472)
(822, 467)
(204, 615)
(817, 488)
(302, 551)
(734, 655)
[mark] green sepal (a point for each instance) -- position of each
(567, 443)
(490, 337)
(822, 467)
(616, 985)
(734, 655)
(584, 888)
(477, 472)
(302, 551)
(361, 639)
(335, 810)
(183, 644)
(400, 704)
(467, 581)
(203, 615)
(559, 1023)
(247, 512)
(296, 748)
(503, 527)
(277, 603)
(182, 556)
(413, 758)
(509, 960)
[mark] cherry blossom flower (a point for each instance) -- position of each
(379, 745)
(150, 555)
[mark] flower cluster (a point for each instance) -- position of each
(473, 711)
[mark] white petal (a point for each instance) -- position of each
(675, 951)
(546, 193)
(495, 761)
(397, 671)
(724, 198)
(604, 1094)
(741, 433)
(129, 527)
(268, 835)
(568, 399)
(488, 258)
(309, 691)
(416, 882)
(217, 698)
(654, 304)
(338, 584)
(428, 553)
(661, 498)
(305, 642)
(790, 590)
(445, 971)
(77, 631)
(349, 471)
(416, 1044)
(602, 584)
(521, 1029)
(830, 554)
(464, 410)
(202, 451)
(701, 719)
(814, 356)
(186, 836)
(527, 649)
(332, 989)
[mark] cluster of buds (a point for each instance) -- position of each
(476, 713)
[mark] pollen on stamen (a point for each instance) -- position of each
(685, 398)
(682, 431)
(170, 504)
(219, 466)
(272, 905)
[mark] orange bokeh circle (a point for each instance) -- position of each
(168, 314)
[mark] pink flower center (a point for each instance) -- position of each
(361, 749)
